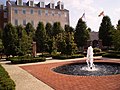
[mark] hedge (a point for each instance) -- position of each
(111, 55)
(68, 56)
(6, 83)
(22, 60)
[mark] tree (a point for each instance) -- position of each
(49, 31)
(9, 40)
(118, 25)
(116, 37)
(71, 47)
(68, 28)
(29, 29)
(57, 28)
(24, 41)
(40, 37)
(105, 31)
(81, 34)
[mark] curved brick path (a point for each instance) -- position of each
(68, 82)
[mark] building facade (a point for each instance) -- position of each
(20, 13)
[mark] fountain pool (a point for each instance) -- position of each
(81, 69)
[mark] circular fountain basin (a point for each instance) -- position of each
(81, 69)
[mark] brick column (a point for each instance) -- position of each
(34, 49)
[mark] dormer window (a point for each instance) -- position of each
(19, 2)
(41, 4)
(30, 3)
(60, 5)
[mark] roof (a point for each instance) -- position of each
(13, 3)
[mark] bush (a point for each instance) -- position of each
(111, 55)
(5, 82)
(45, 55)
(24, 59)
(96, 50)
(67, 56)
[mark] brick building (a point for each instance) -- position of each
(20, 13)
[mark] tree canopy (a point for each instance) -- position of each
(105, 31)
(81, 33)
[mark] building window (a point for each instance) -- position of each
(46, 12)
(24, 22)
(59, 14)
(32, 22)
(19, 2)
(39, 12)
(31, 3)
(16, 11)
(31, 11)
(5, 14)
(42, 4)
(5, 24)
(16, 22)
(62, 7)
(53, 13)
(65, 14)
(24, 11)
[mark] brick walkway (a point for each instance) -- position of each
(68, 82)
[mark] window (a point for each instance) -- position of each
(65, 14)
(39, 12)
(31, 11)
(32, 22)
(53, 13)
(24, 11)
(16, 11)
(42, 4)
(16, 22)
(62, 6)
(24, 22)
(19, 2)
(46, 12)
(5, 14)
(31, 3)
(5, 24)
(59, 13)
(52, 5)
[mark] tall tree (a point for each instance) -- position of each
(118, 25)
(105, 31)
(81, 34)
(9, 40)
(49, 31)
(29, 29)
(69, 28)
(24, 41)
(40, 37)
(116, 37)
(57, 28)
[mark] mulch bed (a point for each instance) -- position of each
(58, 81)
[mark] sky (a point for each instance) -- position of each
(91, 8)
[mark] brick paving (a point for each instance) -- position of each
(58, 81)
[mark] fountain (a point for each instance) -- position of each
(81, 69)
(89, 59)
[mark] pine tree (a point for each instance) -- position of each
(81, 34)
(105, 31)
(9, 40)
(40, 37)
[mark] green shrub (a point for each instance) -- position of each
(5, 82)
(111, 55)
(45, 55)
(96, 50)
(67, 56)
(24, 59)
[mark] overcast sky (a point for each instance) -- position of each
(92, 9)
